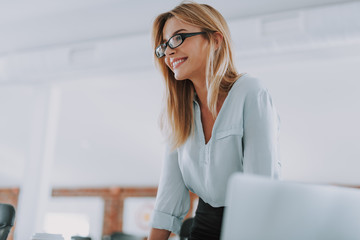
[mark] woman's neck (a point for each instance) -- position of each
(201, 92)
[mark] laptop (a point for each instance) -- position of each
(263, 209)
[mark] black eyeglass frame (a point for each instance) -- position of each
(183, 37)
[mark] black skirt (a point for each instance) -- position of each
(207, 222)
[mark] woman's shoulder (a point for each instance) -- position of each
(246, 84)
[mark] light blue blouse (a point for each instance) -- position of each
(244, 139)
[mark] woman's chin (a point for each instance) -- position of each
(179, 76)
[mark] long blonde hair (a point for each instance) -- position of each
(177, 117)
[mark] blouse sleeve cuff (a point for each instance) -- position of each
(166, 221)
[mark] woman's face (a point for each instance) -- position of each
(188, 61)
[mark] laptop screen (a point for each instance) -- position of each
(263, 209)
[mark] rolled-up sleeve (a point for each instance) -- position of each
(261, 130)
(172, 200)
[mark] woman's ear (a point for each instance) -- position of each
(218, 37)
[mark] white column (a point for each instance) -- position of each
(35, 190)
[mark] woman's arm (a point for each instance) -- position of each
(260, 138)
(172, 200)
(159, 234)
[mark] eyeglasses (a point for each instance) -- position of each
(174, 42)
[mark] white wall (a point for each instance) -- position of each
(318, 101)
(108, 132)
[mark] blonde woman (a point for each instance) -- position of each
(218, 121)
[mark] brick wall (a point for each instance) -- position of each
(113, 202)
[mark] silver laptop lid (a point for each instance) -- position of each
(264, 209)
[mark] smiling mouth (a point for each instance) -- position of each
(177, 63)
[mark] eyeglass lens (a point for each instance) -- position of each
(173, 42)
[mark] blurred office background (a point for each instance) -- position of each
(80, 99)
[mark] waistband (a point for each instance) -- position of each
(205, 208)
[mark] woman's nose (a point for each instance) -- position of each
(169, 51)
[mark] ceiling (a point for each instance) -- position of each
(34, 24)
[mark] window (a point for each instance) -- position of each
(75, 216)
(67, 224)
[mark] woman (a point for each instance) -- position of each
(218, 121)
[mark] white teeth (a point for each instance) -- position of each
(174, 64)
